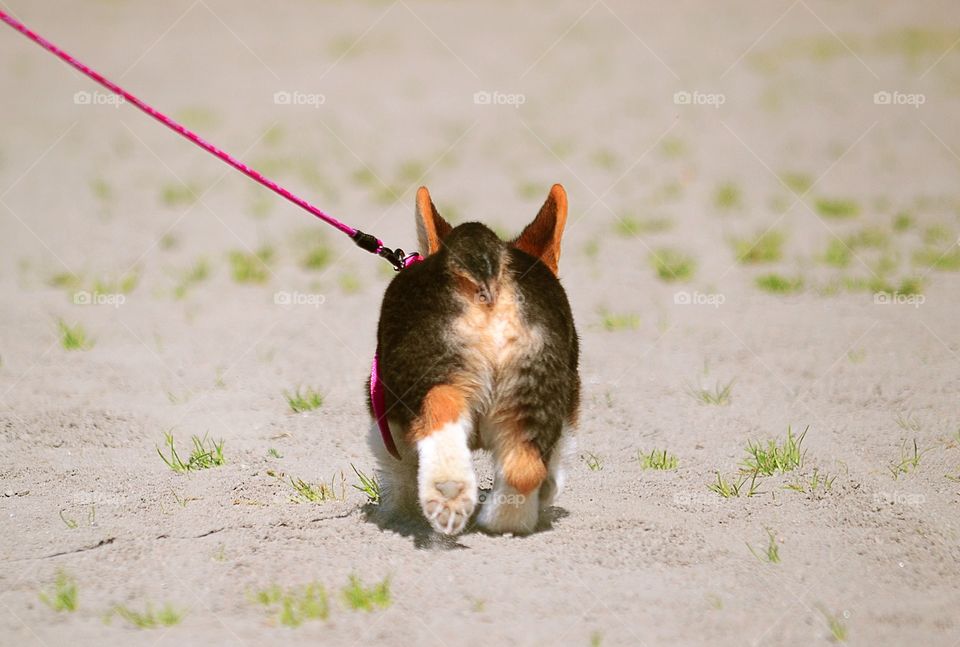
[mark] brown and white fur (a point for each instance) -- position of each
(478, 351)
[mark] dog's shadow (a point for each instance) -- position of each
(416, 528)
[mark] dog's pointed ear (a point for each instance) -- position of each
(541, 238)
(431, 228)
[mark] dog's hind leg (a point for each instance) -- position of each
(398, 478)
(446, 482)
(514, 503)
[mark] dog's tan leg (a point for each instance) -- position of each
(514, 504)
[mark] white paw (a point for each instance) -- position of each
(448, 505)
(447, 485)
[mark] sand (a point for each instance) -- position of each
(376, 99)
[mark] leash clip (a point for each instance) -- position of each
(396, 257)
(399, 259)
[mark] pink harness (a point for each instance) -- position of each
(377, 398)
(368, 242)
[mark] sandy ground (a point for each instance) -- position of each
(382, 100)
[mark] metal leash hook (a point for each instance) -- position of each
(396, 257)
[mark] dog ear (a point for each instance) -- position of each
(431, 228)
(541, 238)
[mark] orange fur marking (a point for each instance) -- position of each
(430, 226)
(541, 238)
(443, 404)
(520, 460)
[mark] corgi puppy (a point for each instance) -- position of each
(477, 351)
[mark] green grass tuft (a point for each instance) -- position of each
(369, 485)
(294, 606)
(657, 459)
(74, 337)
(247, 267)
(779, 284)
(177, 194)
(593, 461)
(306, 400)
(837, 208)
(316, 253)
(766, 247)
(317, 492)
(838, 254)
(903, 221)
(814, 484)
(188, 279)
(630, 226)
(727, 196)
(362, 598)
(773, 457)
(909, 459)
(871, 237)
(799, 183)
(204, 455)
(737, 486)
(63, 596)
(939, 259)
(771, 554)
(613, 322)
(349, 283)
(165, 616)
(673, 265)
(719, 395)
(672, 147)
(838, 629)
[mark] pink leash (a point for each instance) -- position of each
(363, 240)
(368, 242)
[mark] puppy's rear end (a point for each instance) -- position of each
(478, 351)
